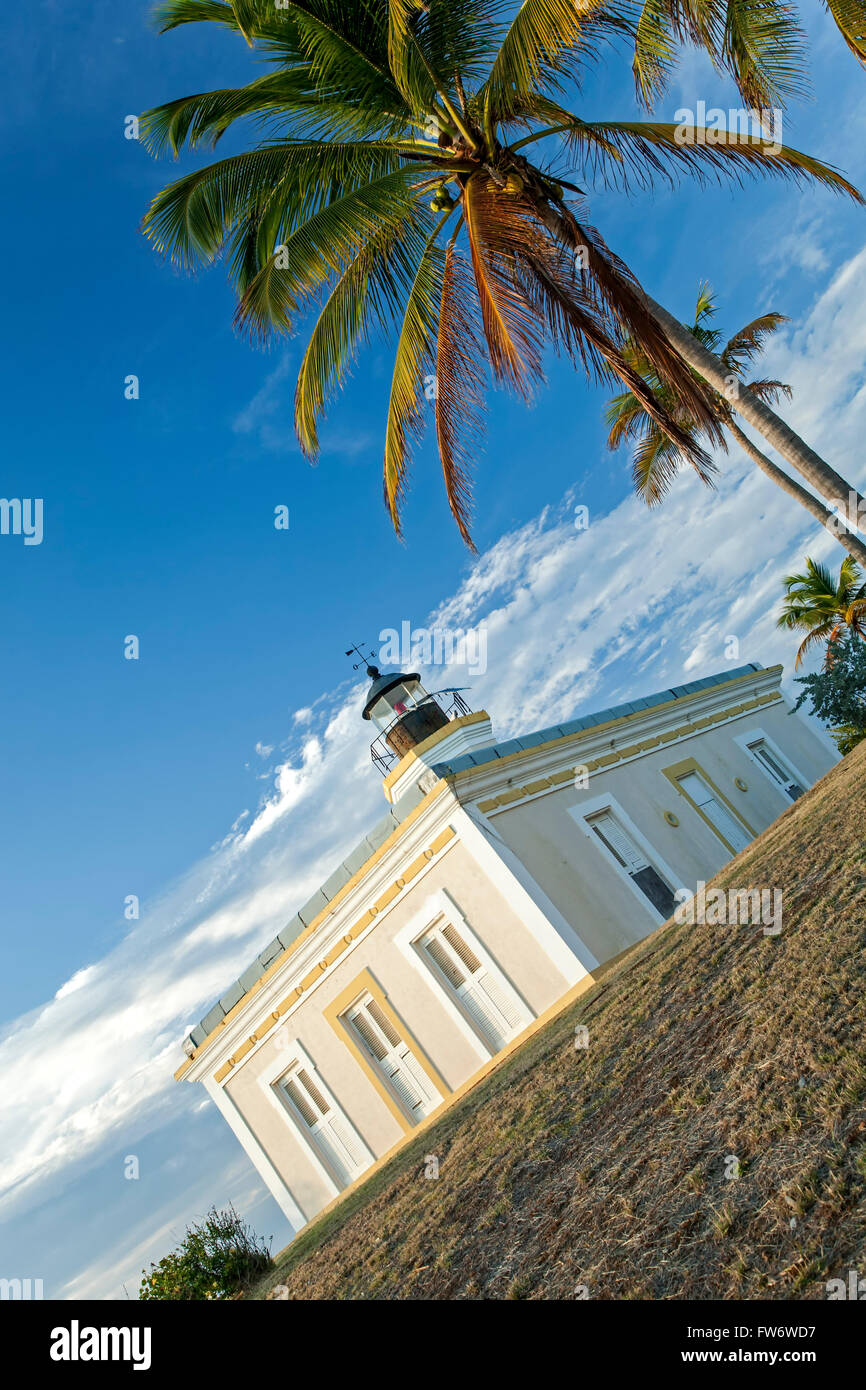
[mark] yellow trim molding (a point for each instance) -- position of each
(677, 770)
(616, 755)
(366, 983)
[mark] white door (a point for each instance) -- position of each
(775, 770)
(401, 1068)
(487, 1001)
(327, 1130)
(631, 858)
(715, 811)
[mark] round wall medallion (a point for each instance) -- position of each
(743, 786)
(671, 818)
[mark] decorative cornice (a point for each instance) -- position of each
(278, 967)
(541, 786)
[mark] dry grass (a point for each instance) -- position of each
(606, 1167)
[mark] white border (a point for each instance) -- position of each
(441, 904)
(606, 802)
(743, 741)
(291, 1054)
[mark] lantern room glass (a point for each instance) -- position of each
(396, 702)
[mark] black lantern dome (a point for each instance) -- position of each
(403, 712)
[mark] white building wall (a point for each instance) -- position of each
(572, 869)
(505, 937)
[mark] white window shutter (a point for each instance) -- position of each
(618, 840)
(715, 811)
(395, 1058)
(329, 1131)
(487, 1000)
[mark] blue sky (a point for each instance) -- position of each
(218, 777)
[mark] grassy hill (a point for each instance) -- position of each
(606, 1166)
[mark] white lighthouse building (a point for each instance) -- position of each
(502, 879)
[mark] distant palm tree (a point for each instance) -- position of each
(657, 457)
(823, 607)
(762, 46)
(388, 120)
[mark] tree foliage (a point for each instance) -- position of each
(218, 1257)
(389, 167)
(837, 695)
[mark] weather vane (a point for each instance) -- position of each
(365, 660)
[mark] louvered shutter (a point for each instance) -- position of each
(715, 811)
(394, 1057)
(488, 1003)
(775, 770)
(628, 854)
(619, 842)
(329, 1132)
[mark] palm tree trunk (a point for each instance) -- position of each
(778, 435)
(813, 505)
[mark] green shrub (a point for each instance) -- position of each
(218, 1257)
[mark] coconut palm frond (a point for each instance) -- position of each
(850, 18)
(414, 361)
(190, 219)
(823, 633)
(655, 463)
(625, 418)
(824, 607)
(206, 116)
(460, 381)
(760, 44)
(546, 41)
(511, 331)
(371, 292)
(764, 49)
(170, 14)
(705, 306)
(770, 390)
(751, 340)
(320, 248)
(655, 51)
(650, 149)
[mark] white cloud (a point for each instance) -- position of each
(76, 981)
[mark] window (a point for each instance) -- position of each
(327, 1130)
(772, 764)
(724, 822)
(403, 1072)
(630, 857)
(479, 989)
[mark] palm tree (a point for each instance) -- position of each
(392, 194)
(761, 46)
(656, 458)
(823, 607)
